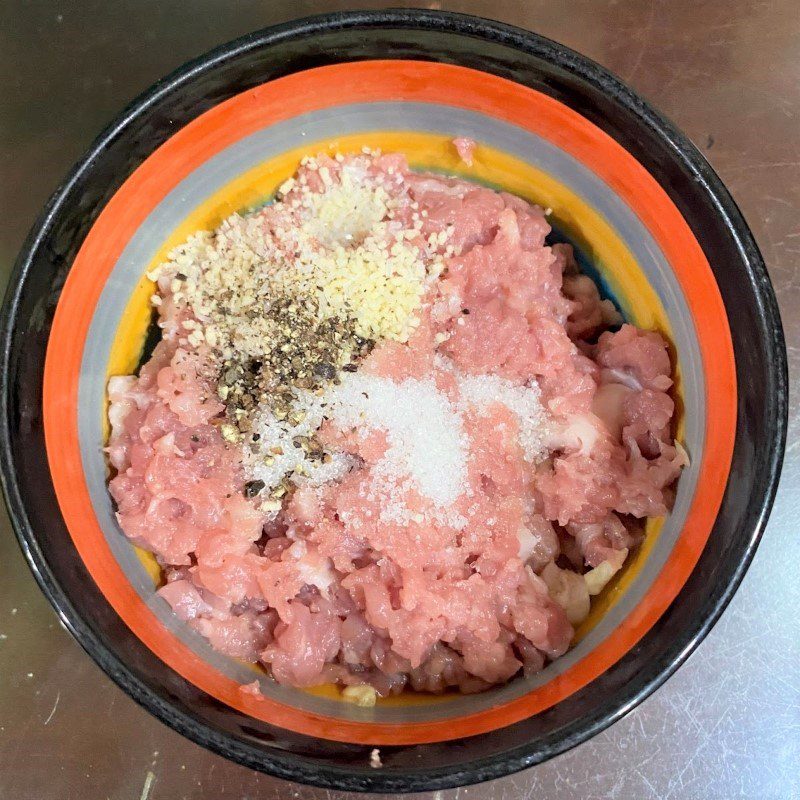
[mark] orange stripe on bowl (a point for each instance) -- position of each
(358, 83)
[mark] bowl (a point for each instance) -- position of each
(650, 220)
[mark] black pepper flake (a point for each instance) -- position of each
(180, 276)
(325, 370)
(194, 438)
(252, 488)
(349, 367)
(301, 352)
(465, 311)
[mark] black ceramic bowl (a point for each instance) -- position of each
(657, 227)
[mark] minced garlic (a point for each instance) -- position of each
(362, 695)
(337, 246)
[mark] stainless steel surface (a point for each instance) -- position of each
(727, 725)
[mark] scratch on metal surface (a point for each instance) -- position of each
(645, 39)
(53, 709)
(148, 783)
(736, 168)
(678, 783)
(647, 783)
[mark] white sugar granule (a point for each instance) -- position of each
(481, 391)
(427, 446)
(390, 494)
(426, 443)
(423, 431)
(276, 456)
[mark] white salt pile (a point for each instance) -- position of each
(427, 447)
(423, 430)
(277, 454)
(479, 391)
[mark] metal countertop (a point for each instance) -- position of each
(727, 724)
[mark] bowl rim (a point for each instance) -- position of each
(414, 19)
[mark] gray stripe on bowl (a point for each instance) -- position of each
(342, 120)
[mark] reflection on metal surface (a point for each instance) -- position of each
(726, 725)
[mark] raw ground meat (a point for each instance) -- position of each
(334, 588)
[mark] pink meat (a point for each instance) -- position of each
(303, 645)
(333, 589)
(638, 355)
